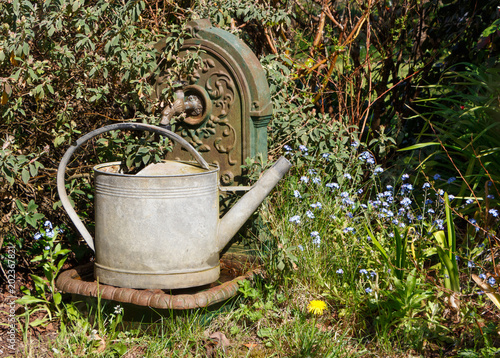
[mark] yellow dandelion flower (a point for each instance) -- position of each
(316, 307)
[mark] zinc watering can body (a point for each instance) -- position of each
(160, 228)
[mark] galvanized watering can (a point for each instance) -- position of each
(160, 228)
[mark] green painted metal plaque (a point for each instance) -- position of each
(232, 86)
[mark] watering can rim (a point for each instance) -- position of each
(215, 168)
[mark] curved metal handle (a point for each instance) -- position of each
(61, 171)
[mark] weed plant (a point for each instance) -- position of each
(50, 259)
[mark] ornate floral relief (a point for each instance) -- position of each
(195, 135)
(194, 77)
(221, 148)
(221, 89)
(207, 65)
(219, 85)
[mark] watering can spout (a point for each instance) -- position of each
(246, 206)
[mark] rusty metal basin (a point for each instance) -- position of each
(234, 268)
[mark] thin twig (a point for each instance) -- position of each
(321, 27)
(270, 41)
(333, 19)
(111, 119)
(369, 75)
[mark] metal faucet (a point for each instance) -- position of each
(192, 106)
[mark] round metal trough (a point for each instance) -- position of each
(234, 268)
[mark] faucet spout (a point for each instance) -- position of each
(193, 106)
(245, 207)
(176, 108)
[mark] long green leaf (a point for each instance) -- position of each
(440, 238)
(38, 322)
(397, 238)
(450, 265)
(27, 300)
(404, 245)
(377, 244)
(418, 146)
(453, 280)
(400, 253)
(411, 282)
(452, 240)
(450, 226)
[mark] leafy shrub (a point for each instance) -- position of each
(67, 67)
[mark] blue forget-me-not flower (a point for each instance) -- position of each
(295, 219)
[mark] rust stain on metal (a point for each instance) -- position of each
(235, 268)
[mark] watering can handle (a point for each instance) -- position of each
(61, 171)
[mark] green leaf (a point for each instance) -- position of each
(125, 76)
(440, 238)
(48, 273)
(20, 206)
(411, 282)
(264, 332)
(494, 27)
(38, 280)
(146, 158)
(72, 312)
(453, 279)
(37, 216)
(59, 140)
(33, 170)
(38, 322)
(377, 244)
(450, 226)
(400, 253)
(28, 300)
(119, 348)
(32, 206)
(57, 298)
(92, 71)
(418, 146)
(26, 49)
(281, 266)
(31, 221)
(25, 175)
(32, 74)
(61, 263)
(129, 161)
